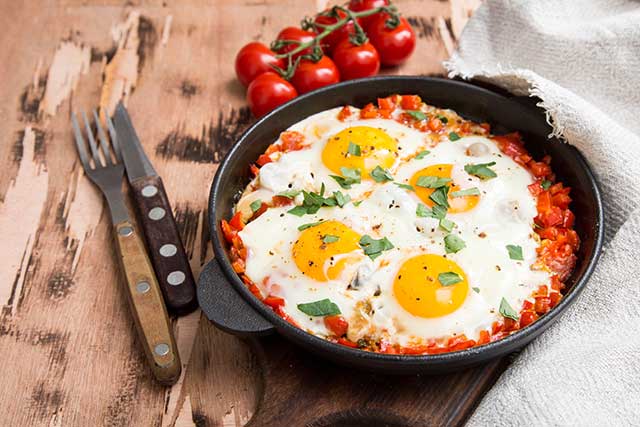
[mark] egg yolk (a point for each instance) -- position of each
(419, 291)
(371, 147)
(456, 204)
(320, 250)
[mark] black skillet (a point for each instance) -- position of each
(230, 306)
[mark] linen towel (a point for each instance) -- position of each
(582, 59)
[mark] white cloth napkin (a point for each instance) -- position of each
(582, 58)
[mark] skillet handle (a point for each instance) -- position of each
(225, 307)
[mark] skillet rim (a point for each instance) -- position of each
(461, 357)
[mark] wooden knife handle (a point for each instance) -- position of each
(149, 312)
(165, 246)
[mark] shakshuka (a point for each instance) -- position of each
(402, 228)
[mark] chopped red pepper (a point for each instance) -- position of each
(336, 324)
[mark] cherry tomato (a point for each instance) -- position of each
(330, 42)
(313, 75)
(361, 5)
(394, 45)
(295, 34)
(254, 59)
(267, 91)
(354, 61)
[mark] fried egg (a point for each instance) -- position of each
(422, 283)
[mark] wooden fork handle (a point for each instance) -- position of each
(147, 306)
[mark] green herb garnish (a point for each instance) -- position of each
(453, 244)
(255, 205)
(545, 184)
(330, 238)
(422, 154)
(481, 170)
(374, 248)
(449, 278)
(439, 196)
(432, 181)
(416, 114)
(447, 225)
(354, 149)
(473, 191)
(349, 177)
(289, 194)
(423, 211)
(476, 290)
(453, 136)
(324, 307)
(308, 225)
(507, 311)
(515, 252)
(405, 186)
(298, 211)
(443, 119)
(341, 199)
(380, 175)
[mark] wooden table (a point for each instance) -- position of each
(70, 356)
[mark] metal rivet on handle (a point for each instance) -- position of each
(168, 250)
(125, 231)
(156, 213)
(161, 349)
(143, 287)
(149, 190)
(176, 278)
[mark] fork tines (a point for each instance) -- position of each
(106, 154)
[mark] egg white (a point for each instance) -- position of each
(503, 216)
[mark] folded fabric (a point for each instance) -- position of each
(582, 59)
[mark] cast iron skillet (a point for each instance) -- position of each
(229, 304)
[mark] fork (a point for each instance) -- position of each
(105, 169)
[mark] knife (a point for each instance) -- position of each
(156, 216)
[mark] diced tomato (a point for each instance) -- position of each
(548, 233)
(550, 217)
(527, 318)
(568, 219)
(527, 305)
(273, 301)
(344, 113)
(561, 200)
(262, 209)
(236, 222)
(280, 312)
(465, 128)
(292, 140)
(535, 189)
(544, 201)
(238, 266)
(496, 327)
(434, 124)
(347, 343)
(336, 324)
(411, 102)
(543, 290)
(556, 284)
(543, 304)
(263, 159)
(369, 112)
(252, 287)
(510, 324)
(417, 349)
(281, 201)
(387, 103)
(385, 114)
(539, 169)
(484, 337)
(254, 170)
(227, 231)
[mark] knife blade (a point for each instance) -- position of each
(164, 245)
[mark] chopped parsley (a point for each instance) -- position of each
(481, 170)
(289, 194)
(349, 177)
(449, 278)
(312, 202)
(308, 225)
(453, 136)
(255, 205)
(545, 184)
(439, 196)
(354, 149)
(515, 252)
(453, 244)
(330, 238)
(422, 154)
(374, 248)
(432, 181)
(341, 199)
(476, 290)
(380, 175)
(437, 212)
(447, 225)
(443, 119)
(405, 186)
(416, 114)
(473, 191)
(507, 311)
(323, 307)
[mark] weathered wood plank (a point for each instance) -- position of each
(71, 355)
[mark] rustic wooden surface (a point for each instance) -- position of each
(70, 354)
